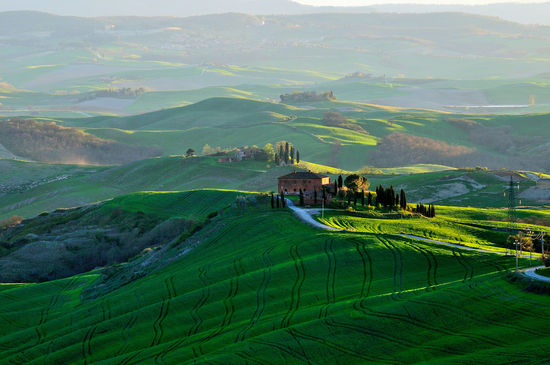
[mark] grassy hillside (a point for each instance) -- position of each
(68, 242)
(257, 285)
(49, 142)
(28, 188)
(471, 227)
(375, 135)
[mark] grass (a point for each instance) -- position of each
(196, 204)
(544, 272)
(464, 226)
(262, 286)
(30, 188)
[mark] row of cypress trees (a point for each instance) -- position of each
(287, 154)
(278, 201)
(428, 211)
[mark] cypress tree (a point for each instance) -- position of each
(272, 201)
(349, 197)
(370, 198)
(340, 182)
(287, 152)
(281, 152)
(297, 156)
(283, 202)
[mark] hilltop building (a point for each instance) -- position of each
(244, 154)
(309, 182)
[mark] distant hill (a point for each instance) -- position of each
(527, 13)
(48, 142)
(426, 136)
(160, 7)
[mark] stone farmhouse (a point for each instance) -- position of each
(309, 182)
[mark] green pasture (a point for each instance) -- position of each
(471, 227)
(262, 287)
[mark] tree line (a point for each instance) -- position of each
(307, 96)
(385, 197)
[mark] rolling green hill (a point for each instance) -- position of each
(389, 136)
(256, 285)
(29, 188)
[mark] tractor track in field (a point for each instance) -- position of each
(297, 287)
(304, 353)
(419, 323)
(461, 263)
(331, 278)
(228, 304)
(337, 347)
(124, 334)
(470, 315)
(130, 357)
(367, 260)
(45, 312)
(517, 312)
(157, 325)
(395, 265)
(401, 264)
(408, 344)
(260, 295)
(281, 348)
(205, 295)
(429, 256)
(86, 349)
(248, 358)
(165, 307)
(469, 265)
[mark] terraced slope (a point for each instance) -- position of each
(260, 287)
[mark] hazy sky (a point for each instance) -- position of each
(372, 2)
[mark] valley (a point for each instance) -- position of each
(147, 166)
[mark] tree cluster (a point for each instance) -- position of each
(278, 201)
(124, 93)
(338, 120)
(285, 153)
(307, 96)
(388, 198)
(426, 211)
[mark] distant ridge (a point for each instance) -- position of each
(526, 13)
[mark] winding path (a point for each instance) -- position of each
(306, 215)
(531, 273)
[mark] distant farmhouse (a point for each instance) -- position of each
(310, 183)
(243, 154)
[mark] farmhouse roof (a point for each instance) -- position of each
(302, 175)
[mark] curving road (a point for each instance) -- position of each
(306, 215)
(531, 273)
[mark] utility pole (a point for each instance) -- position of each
(516, 246)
